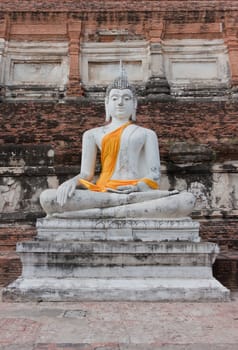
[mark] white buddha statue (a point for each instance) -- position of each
(128, 186)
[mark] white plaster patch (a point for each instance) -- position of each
(51, 153)
(199, 191)
(181, 184)
(225, 191)
(53, 181)
(164, 182)
(196, 63)
(196, 69)
(10, 194)
(36, 72)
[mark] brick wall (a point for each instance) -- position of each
(224, 232)
(96, 5)
(59, 125)
(62, 125)
(10, 234)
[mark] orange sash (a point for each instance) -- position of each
(110, 149)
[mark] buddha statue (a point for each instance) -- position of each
(128, 186)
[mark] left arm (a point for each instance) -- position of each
(152, 156)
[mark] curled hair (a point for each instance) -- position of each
(121, 82)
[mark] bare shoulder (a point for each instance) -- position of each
(93, 132)
(147, 132)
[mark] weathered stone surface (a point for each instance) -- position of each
(182, 152)
(38, 71)
(106, 267)
(146, 289)
(197, 65)
(117, 259)
(118, 229)
(15, 155)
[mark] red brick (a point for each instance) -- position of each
(10, 267)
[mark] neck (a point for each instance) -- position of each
(118, 122)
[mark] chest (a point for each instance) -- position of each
(132, 138)
(132, 141)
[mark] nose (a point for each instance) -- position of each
(120, 101)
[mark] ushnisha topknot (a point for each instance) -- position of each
(121, 82)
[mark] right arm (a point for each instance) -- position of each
(88, 162)
(89, 153)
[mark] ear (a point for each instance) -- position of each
(107, 118)
(133, 116)
(135, 103)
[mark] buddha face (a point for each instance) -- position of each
(121, 104)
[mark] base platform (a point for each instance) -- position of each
(116, 289)
(116, 260)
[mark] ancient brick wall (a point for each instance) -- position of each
(181, 56)
(119, 5)
(61, 125)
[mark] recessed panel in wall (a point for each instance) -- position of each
(100, 62)
(194, 70)
(36, 72)
(104, 72)
(195, 61)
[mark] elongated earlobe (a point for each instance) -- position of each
(107, 118)
(133, 116)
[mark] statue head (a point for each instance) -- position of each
(120, 88)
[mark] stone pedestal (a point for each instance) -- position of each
(111, 260)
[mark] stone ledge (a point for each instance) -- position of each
(115, 229)
(120, 289)
(113, 259)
